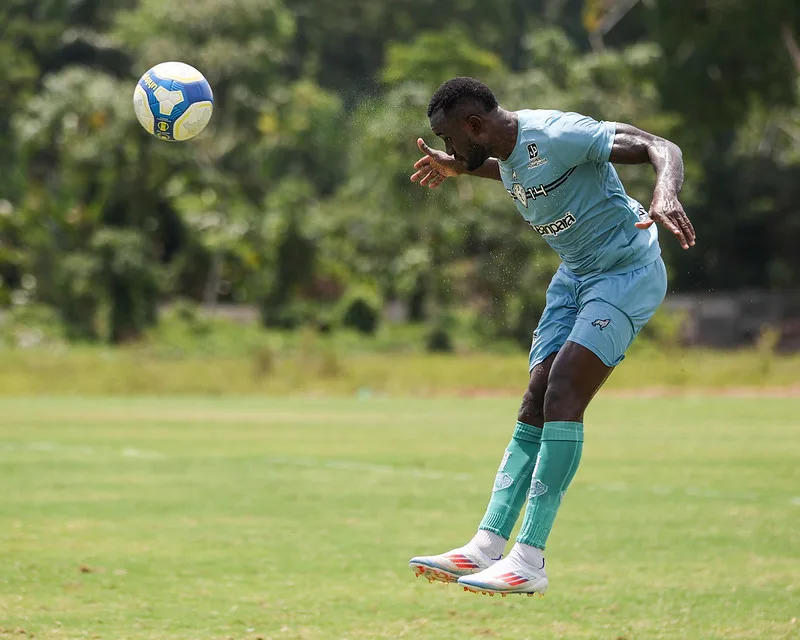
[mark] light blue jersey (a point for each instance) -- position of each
(564, 186)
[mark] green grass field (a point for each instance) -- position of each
(295, 519)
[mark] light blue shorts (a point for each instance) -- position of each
(602, 312)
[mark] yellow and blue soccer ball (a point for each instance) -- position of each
(173, 101)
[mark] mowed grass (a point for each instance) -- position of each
(295, 519)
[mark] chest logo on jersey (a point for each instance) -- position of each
(518, 193)
(554, 228)
(534, 159)
(522, 195)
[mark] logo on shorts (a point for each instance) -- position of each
(601, 324)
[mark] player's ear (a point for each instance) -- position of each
(474, 124)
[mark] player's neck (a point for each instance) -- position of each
(506, 135)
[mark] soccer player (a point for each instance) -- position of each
(557, 167)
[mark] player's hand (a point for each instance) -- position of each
(434, 167)
(667, 210)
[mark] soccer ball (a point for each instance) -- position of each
(173, 101)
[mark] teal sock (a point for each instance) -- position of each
(512, 481)
(562, 444)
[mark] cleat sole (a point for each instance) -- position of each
(502, 593)
(434, 575)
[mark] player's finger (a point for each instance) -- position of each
(674, 229)
(424, 147)
(646, 223)
(436, 182)
(692, 236)
(422, 162)
(417, 176)
(427, 179)
(686, 228)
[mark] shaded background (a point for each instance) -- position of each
(295, 205)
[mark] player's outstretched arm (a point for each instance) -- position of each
(634, 146)
(435, 166)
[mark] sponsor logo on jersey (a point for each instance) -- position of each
(534, 159)
(554, 228)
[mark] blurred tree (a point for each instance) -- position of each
(297, 197)
(79, 138)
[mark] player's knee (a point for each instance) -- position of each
(561, 402)
(532, 410)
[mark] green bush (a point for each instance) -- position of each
(360, 309)
(30, 325)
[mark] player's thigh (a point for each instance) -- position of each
(575, 377)
(557, 321)
(613, 309)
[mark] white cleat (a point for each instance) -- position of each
(450, 566)
(505, 577)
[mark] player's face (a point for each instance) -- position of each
(461, 137)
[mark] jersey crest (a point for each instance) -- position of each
(518, 193)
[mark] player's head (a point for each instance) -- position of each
(458, 113)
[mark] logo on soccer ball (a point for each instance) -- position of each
(601, 324)
(163, 126)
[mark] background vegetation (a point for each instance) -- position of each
(297, 200)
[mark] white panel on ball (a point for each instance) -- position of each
(177, 71)
(167, 100)
(193, 121)
(142, 110)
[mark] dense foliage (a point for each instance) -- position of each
(297, 197)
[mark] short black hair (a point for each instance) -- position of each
(458, 90)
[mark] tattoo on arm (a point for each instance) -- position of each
(634, 146)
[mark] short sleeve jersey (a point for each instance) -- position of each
(563, 184)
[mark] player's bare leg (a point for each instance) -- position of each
(509, 492)
(575, 377)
